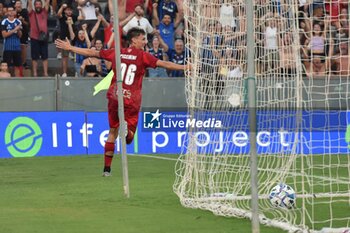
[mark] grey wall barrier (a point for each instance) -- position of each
(28, 94)
(50, 94)
(330, 93)
(76, 94)
(164, 93)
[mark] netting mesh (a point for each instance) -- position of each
(302, 82)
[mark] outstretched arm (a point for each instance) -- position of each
(172, 66)
(65, 45)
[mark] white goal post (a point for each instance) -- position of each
(302, 88)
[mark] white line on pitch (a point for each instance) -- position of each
(153, 157)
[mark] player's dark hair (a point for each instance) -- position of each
(134, 32)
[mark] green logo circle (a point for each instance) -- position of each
(23, 137)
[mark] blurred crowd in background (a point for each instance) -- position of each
(29, 28)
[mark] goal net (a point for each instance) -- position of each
(302, 90)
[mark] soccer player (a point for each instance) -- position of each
(134, 62)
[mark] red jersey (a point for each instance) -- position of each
(133, 68)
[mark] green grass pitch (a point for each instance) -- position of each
(69, 195)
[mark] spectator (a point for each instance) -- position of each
(316, 44)
(81, 41)
(157, 51)
(66, 17)
(131, 4)
(344, 23)
(122, 11)
(166, 27)
(230, 67)
(22, 15)
(59, 3)
(96, 67)
(139, 21)
(4, 70)
(95, 32)
(317, 13)
(210, 54)
(168, 7)
(304, 27)
(176, 55)
(2, 10)
(340, 62)
(88, 11)
(109, 31)
(317, 68)
(275, 6)
(271, 41)
(11, 30)
(287, 56)
(230, 79)
(332, 8)
(231, 38)
(91, 66)
(9, 3)
(106, 66)
(38, 20)
(212, 85)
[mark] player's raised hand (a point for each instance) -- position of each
(63, 44)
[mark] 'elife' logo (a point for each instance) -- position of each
(23, 137)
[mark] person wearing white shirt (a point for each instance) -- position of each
(139, 21)
(271, 45)
(87, 9)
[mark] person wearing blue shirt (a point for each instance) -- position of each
(157, 51)
(166, 27)
(176, 55)
(11, 30)
(168, 7)
(210, 50)
(212, 83)
(80, 40)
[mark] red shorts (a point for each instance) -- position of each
(131, 114)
